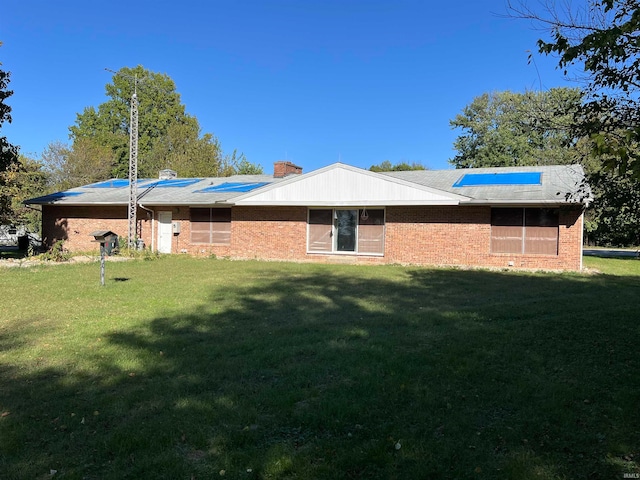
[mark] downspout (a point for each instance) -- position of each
(582, 240)
(153, 221)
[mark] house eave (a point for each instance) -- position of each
(351, 203)
(517, 203)
(80, 204)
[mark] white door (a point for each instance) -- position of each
(165, 232)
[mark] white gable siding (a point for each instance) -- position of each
(340, 185)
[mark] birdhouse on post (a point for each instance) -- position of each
(108, 241)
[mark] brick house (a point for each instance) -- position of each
(521, 217)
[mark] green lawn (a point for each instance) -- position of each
(184, 368)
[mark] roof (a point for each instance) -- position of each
(156, 192)
(342, 185)
(557, 184)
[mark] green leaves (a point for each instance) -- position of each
(8, 152)
(603, 39)
(168, 136)
(387, 166)
(510, 129)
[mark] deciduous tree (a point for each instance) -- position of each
(8, 152)
(84, 162)
(503, 129)
(596, 42)
(26, 179)
(387, 166)
(614, 216)
(168, 137)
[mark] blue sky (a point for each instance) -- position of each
(310, 81)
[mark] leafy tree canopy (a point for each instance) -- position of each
(26, 179)
(510, 129)
(614, 216)
(387, 166)
(8, 152)
(87, 161)
(600, 38)
(168, 137)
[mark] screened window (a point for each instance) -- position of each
(524, 230)
(211, 226)
(320, 231)
(346, 230)
(371, 231)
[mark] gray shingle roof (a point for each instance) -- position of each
(149, 193)
(559, 184)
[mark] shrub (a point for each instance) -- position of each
(57, 253)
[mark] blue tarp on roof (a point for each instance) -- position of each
(114, 183)
(232, 187)
(490, 179)
(171, 182)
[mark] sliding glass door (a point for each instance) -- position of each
(346, 224)
(343, 230)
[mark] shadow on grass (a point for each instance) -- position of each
(433, 373)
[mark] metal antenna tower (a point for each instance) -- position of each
(133, 168)
(133, 162)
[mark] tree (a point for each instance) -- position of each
(183, 150)
(243, 166)
(510, 129)
(86, 161)
(614, 216)
(602, 39)
(26, 179)
(8, 152)
(168, 136)
(387, 166)
(54, 159)
(159, 107)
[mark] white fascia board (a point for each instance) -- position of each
(185, 204)
(82, 204)
(358, 203)
(519, 203)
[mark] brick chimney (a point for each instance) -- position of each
(282, 168)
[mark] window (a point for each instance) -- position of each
(371, 231)
(320, 232)
(524, 230)
(211, 226)
(346, 230)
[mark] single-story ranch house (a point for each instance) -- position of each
(521, 217)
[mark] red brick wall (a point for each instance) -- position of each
(437, 235)
(74, 225)
(269, 233)
(462, 236)
(445, 235)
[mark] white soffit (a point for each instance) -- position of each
(344, 185)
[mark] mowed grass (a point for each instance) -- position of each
(184, 368)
